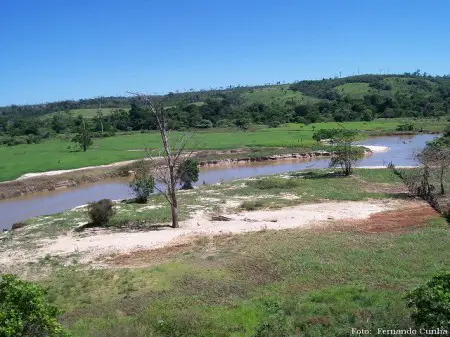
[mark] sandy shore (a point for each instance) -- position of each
(93, 244)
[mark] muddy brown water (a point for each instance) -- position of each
(401, 153)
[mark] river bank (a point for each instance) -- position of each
(60, 179)
(282, 201)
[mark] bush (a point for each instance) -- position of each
(204, 124)
(276, 325)
(252, 205)
(275, 183)
(18, 225)
(405, 127)
(24, 311)
(431, 303)
(100, 212)
(142, 185)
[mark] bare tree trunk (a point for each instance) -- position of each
(174, 209)
(442, 179)
(173, 196)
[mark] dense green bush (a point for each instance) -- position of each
(405, 127)
(24, 311)
(431, 303)
(100, 212)
(143, 186)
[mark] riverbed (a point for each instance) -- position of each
(401, 151)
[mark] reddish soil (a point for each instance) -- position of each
(414, 214)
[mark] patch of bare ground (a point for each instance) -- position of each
(395, 189)
(140, 248)
(147, 258)
(405, 214)
(412, 214)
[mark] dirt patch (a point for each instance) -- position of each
(413, 214)
(146, 258)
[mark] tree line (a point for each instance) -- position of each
(424, 96)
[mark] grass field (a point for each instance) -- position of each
(357, 90)
(277, 95)
(398, 84)
(86, 113)
(56, 155)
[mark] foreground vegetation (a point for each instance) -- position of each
(306, 282)
(258, 284)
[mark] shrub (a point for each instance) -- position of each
(101, 211)
(18, 225)
(204, 124)
(431, 303)
(142, 186)
(390, 165)
(24, 311)
(275, 183)
(276, 325)
(405, 127)
(252, 205)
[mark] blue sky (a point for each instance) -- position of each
(55, 50)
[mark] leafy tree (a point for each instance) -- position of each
(143, 184)
(431, 303)
(324, 134)
(367, 115)
(83, 137)
(188, 172)
(345, 154)
(242, 120)
(24, 310)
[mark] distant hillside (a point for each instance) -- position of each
(302, 92)
(354, 98)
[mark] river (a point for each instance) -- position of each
(401, 153)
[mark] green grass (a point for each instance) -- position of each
(86, 113)
(55, 154)
(277, 94)
(305, 283)
(357, 90)
(400, 84)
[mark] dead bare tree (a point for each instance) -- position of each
(173, 154)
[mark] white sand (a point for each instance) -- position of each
(93, 244)
(376, 148)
